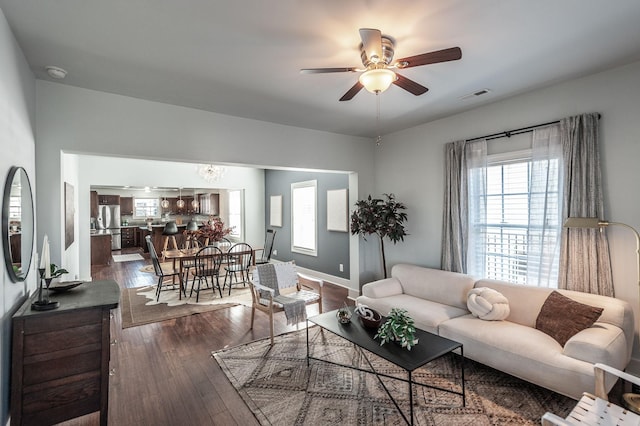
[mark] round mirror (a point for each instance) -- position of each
(17, 224)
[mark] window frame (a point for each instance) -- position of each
(157, 206)
(236, 234)
(306, 250)
(500, 263)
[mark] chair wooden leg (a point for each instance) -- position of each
(271, 326)
(253, 314)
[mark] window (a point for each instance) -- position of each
(146, 207)
(235, 213)
(303, 217)
(514, 220)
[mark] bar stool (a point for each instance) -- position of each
(191, 240)
(169, 233)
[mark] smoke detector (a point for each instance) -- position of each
(55, 72)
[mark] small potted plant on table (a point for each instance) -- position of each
(399, 327)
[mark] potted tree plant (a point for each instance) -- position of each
(384, 218)
(399, 327)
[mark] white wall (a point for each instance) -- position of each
(17, 124)
(94, 170)
(80, 121)
(69, 164)
(416, 155)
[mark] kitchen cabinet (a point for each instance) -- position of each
(209, 204)
(126, 206)
(128, 237)
(101, 249)
(60, 358)
(188, 208)
(94, 203)
(108, 200)
(172, 205)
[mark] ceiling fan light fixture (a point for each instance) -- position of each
(377, 80)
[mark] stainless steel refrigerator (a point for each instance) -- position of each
(109, 218)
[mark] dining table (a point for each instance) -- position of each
(181, 256)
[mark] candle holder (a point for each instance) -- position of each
(43, 303)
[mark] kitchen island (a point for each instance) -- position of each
(101, 247)
(158, 239)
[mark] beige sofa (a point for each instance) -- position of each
(437, 301)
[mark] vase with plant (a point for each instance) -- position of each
(213, 230)
(385, 218)
(398, 327)
(343, 314)
(57, 272)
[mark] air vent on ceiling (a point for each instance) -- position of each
(475, 94)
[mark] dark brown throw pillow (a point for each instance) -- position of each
(561, 317)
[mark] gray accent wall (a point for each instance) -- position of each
(333, 246)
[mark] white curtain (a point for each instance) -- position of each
(545, 209)
(476, 153)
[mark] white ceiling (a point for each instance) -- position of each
(243, 57)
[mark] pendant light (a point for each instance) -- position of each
(194, 203)
(164, 203)
(180, 202)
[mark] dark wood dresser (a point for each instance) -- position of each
(60, 358)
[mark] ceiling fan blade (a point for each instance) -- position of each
(372, 43)
(326, 70)
(352, 92)
(444, 55)
(410, 85)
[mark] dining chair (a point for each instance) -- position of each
(188, 264)
(283, 290)
(592, 410)
(207, 267)
(265, 252)
(238, 260)
(162, 273)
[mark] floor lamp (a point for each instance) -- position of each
(632, 400)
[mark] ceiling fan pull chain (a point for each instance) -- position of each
(379, 137)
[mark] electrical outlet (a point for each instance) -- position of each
(341, 268)
(275, 252)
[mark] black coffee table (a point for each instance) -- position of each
(429, 348)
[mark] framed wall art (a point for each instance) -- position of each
(275, 210)
(337, 210)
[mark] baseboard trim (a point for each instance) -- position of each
(339, 281)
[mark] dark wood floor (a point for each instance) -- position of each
(164, 373)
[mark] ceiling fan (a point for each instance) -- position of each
(376, 51)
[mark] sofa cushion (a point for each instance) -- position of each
(487, 304)
(446, 287)
(561, 317)
(427, 314)
(602, 342)
(523, 352)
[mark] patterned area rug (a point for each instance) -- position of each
(280, 389)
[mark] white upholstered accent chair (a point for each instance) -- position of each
(288, 285)
(596, 409)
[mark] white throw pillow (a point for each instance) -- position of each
(487, 304)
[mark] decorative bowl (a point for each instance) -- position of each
(372, 322)
(64, 285)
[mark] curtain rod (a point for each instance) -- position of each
(509, 133)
